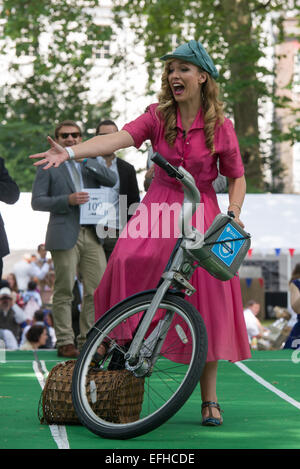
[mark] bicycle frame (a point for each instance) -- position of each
(180, 271)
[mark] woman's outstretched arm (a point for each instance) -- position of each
(96, 146)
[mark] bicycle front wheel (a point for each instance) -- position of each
(150, 398)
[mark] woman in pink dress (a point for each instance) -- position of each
(188, 128)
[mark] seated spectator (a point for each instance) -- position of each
(40, 319)
(32, 300)
(36, 337)
(11, 318)
(13, 286)
(253, 325)
(12, 282)
(32, 293)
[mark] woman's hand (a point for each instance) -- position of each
(238, 221)
(236, 213)
(53, 157)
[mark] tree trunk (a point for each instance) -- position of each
(243, 56)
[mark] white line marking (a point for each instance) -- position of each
(268, 385)
(59, 432)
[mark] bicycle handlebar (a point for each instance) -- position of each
(172, 171)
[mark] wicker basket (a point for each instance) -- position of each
(116, 396)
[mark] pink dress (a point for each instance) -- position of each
(137, 262)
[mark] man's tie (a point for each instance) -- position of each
(76, 176)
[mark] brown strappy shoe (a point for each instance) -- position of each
(211, 421)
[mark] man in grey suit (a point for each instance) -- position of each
(74, 248)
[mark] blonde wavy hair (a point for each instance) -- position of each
(212, 108)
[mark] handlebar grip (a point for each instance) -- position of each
(165, 165)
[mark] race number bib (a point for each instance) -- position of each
(96, 209)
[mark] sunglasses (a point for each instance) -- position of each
(73, 134)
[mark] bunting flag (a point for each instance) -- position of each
(291, 251)
(277, 251)
(250, 252)
(248, 282)
(261, 281)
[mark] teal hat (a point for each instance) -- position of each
(195, 53)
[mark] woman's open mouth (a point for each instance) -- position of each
(178, 89)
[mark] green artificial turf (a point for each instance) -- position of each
(254, 417)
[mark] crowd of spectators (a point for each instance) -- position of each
(26, 321)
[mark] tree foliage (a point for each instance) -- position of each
(233, 34)
(51, 47)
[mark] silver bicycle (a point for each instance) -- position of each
(166, 349)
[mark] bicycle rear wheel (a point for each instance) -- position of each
(165, 387)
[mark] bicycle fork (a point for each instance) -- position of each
(140, 357)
